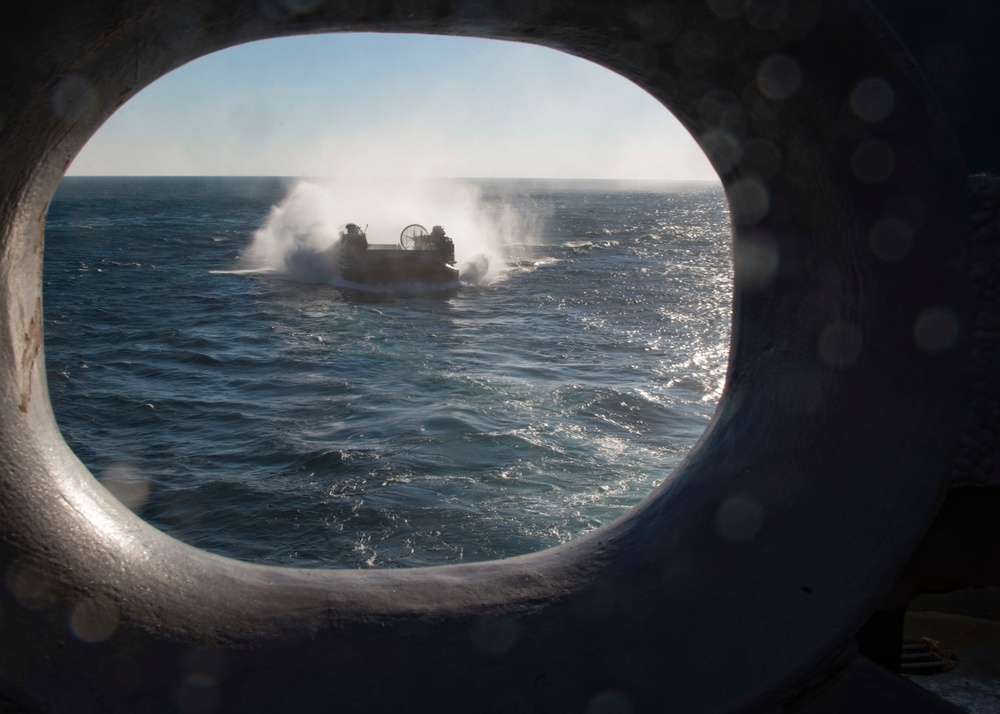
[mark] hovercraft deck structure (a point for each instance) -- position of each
(420, 258)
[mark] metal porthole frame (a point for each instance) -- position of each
(736, 586)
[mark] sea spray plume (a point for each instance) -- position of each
(508, 224)
(296, 240)
(483, 225)
(297, 235)
(388, 205)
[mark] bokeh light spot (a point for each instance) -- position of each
(93, 620)
(757, 259)
(749, 200)
(891, 239)
(872, 99)
(127, 484)
(73, 98)
(768, 14)
(739, 518)
(198, 694)
(611, 701)
(936, 329)
(723, 150)
(31, 586)
(779, 77)
(495, 637)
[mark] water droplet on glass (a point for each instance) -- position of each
(779, 77)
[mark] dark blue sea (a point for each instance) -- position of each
(223, 383)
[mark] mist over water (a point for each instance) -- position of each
(299, 239)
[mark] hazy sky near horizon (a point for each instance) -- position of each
(371, 105)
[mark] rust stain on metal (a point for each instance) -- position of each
(32, 343)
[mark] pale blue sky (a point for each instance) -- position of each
(393, 105)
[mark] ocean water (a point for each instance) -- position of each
(239, 398)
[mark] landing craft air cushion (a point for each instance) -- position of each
(420, 258)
